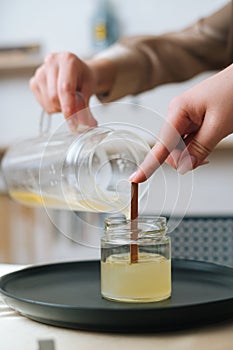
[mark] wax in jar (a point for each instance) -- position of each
(147, 280)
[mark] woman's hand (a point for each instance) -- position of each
(202, 116)
(56, 83)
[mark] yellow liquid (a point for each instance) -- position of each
(145, 281)
(27, 198)
(72, 203)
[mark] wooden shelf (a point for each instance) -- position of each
(19, 62)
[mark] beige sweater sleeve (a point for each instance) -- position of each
(144, 62)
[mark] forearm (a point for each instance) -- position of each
(118, 71)
(104, 73)
(137, 64)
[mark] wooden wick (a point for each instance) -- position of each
(134, 222)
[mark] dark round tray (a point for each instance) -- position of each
(68, 295)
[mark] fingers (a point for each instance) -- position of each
(67, 83)
(52, 93)
(38, 84)
(55, 86)
(169, 137)
(152, 162)
(183, 153)
(194, 155)
(199, 146)
(83, 117)
(43, 85)
(74, 103)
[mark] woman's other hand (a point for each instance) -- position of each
(202, 116)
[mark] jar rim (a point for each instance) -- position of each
(148, 226)
(121, 219)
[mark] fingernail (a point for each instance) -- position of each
(187, 164)
(132, 176)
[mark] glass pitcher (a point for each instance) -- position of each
(86, 170)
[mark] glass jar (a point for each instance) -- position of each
(85, 171)
(149, 278)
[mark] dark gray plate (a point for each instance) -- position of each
(68, 295)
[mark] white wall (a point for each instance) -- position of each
(65, 25)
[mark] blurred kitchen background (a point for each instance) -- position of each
(30, 29)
